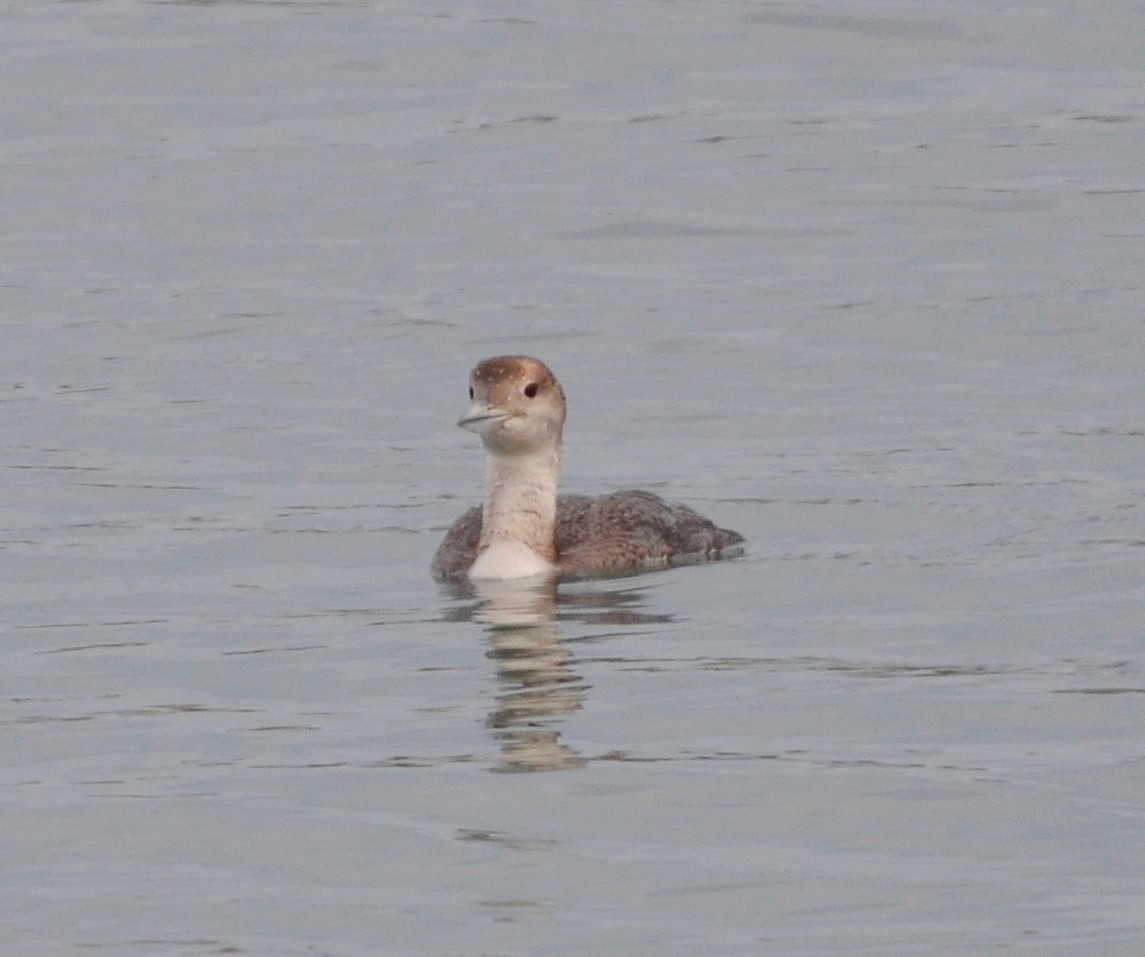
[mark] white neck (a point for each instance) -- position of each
(518, 516)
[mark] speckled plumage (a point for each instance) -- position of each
(624, 531)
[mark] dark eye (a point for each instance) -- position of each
(531, 389)
(471, 393)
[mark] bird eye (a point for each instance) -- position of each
(531, 389)
(471, 393)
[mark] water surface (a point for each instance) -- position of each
(863, 283)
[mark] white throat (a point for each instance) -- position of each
(518, 516)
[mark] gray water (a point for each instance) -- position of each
(861, 281)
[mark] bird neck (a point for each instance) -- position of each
(521, 501)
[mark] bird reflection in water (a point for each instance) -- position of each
(538, 685)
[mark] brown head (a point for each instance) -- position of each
(517, 405)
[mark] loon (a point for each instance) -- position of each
(525, 528)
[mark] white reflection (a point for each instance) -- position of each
(537, 683)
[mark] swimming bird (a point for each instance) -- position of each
(524, 528)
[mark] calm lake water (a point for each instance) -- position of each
(861, 281)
